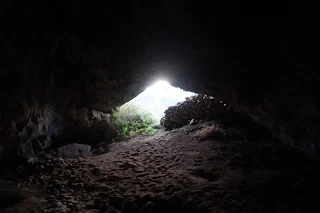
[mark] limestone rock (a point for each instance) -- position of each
(74, 151)
(85, 125)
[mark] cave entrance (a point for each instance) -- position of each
(143, 113)
(156, 98)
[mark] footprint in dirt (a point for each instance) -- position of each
(135, 153)
(172, 204)
(126, 165)
(205, 174)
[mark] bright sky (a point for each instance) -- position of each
(158, 97)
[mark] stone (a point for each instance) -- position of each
(193, 121)
(149, 207)
(112, 209)
(74, 151)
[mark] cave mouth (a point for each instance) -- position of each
(158, 97)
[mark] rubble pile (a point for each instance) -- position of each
(197, 107)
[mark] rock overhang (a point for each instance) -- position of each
(258, 65)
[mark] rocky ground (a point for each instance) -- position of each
(204, 167)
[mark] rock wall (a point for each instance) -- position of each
(27, 128)
(84, 125)
(263, 66)
(43, 74)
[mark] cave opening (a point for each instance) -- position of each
(142, 114)
(60, 88)
(158, 97)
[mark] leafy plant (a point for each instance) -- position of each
(131, 120)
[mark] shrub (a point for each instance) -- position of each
(130, 120)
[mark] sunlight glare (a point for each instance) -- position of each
(159, 96)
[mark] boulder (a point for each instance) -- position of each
(74, 150)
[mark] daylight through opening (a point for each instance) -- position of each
(158, 97)
(142, 114)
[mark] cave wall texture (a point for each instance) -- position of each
(102, 55)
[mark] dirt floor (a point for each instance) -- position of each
(199, 168)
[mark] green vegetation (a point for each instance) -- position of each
(130, 120)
